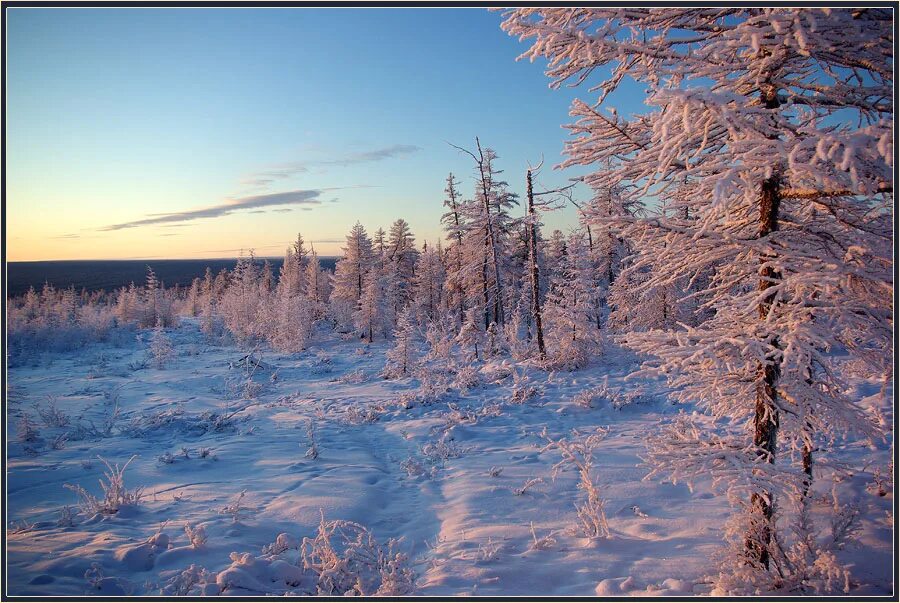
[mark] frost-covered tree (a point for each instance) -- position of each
(429, 285)
(318, 287)
(371, 315)
(470, 335)
(161, 350)
(782, 120)
(240, 304)
(286, 313)
(572, 337)
(301, 258)
(155, 304)
(488, 227)
(401, 359)
(400, 267)
(454, 226)
(192, 298)
(351, 275)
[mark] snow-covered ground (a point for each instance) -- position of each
(445, 476)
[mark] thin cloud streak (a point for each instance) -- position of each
(286, 170)
(297, 197)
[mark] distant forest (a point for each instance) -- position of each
(109, 275)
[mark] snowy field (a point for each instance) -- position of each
(463, 479)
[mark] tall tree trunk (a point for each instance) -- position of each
(484, 289)
(766, 416)
(535, 270)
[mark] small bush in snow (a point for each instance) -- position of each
(353, 377)
(283, 542)
(167, 458)
(467, 378)
(312, 453)
(522, 389)
(529, 483)
(442, 450)
(183, 583)
(579, 452)
(362, 416)
(413, 467)
(349, 561)
(66, 517)
(51, 416)
(196, 534)
(27, 430)
(115, 494)
(456, 416)
(603, 394)
(235, 508)
(803, 560)
(490, 550)
(543, 543)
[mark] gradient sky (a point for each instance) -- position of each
(192, 133)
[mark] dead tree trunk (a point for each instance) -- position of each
(535, 270)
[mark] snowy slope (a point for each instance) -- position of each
(441, 475)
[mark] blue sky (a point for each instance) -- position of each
(121, 120)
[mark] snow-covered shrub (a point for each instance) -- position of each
(283, 542)
(490, 550)
(529, 483)
(470, 338)
(312, 453)
(186, 581)
(115, 494)
(522, 389)
(803, 558)
(196, 534)
(615, 398)
(578, 451)
(286, 320)
(160, 350)
(348, 560)
(166, 458)
(27, 430)
(321, 364)
(363, 415)
(235, 507)
(467, 378)
(414, 467)
(440, 337)
(442, 450)
(456, 416)
(86, 429)
(66, 517)
(354, 377)
(543, 543)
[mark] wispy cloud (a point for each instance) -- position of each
(287, 170)
(297, 197)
